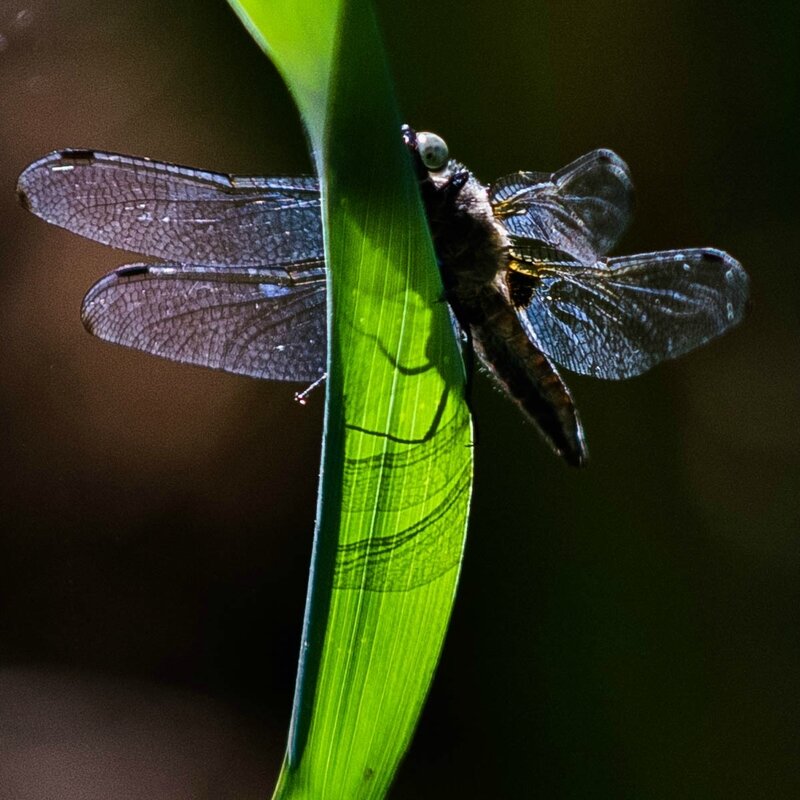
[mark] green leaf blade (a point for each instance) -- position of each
(299, 37)
(397, 461)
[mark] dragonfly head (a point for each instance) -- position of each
(432, 163)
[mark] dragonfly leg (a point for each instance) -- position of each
(468, 354)
(302, 397)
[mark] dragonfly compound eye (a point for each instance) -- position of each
(432, 150)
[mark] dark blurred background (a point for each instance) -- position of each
(629, 631)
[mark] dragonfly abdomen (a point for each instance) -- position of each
(525, 374)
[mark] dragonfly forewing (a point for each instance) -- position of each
(176, 213)
(583, 209)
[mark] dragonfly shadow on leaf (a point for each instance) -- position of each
(421, 551)
(429, 547)
(410, 372)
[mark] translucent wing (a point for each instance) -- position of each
(624, 315)
(176, 213)
(249, 321)
(582, 209)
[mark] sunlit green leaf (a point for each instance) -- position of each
(397, 463)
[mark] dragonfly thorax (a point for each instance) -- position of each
(470, 246)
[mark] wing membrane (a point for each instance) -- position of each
(176, 213)
(624, 315)
(583, 209)
(248, 321)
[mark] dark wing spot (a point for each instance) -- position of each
(80, 156)
(23, 199)
(133, 269)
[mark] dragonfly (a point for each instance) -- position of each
(239, 278)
